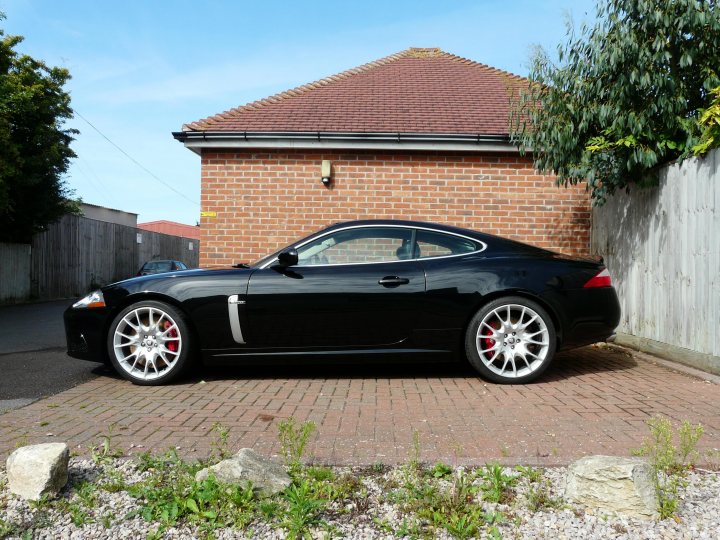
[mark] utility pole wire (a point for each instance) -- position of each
(136, 162)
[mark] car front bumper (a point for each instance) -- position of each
(85, 332)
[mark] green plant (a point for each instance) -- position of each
(170, 494)
(415, 451)
(219, 448)
(294, 438)
(540, 497)
(105, 452)
(440, 470)
(496, 485)
(302, 511)
(669, 462)
(624, 96)
(532, 475)
(710, 122)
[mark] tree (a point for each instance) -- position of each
(625, 95)
(34, 147)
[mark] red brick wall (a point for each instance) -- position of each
(267, 199)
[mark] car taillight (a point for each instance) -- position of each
(601, 279)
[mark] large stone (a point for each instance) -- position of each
(38, 470)
(613, 485)
(267, 476)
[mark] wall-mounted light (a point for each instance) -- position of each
(326, 172)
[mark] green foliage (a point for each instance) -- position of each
(710, 122)
(303, 510)
(294, 438)
(219, 448)
(34, 148)
(496, 485)
(670, 463)
(105, 452)
(440, 470)
(625, 95)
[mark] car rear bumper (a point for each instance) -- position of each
(593, 315)
(85, 333)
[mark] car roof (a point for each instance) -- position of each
(498, 242)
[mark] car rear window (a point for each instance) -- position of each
(436, 244)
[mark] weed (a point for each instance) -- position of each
(440, 470)
(303, 510)
(532, 475)
(415, 451)
(171, 494)
(670, 463)
(504, 451)
(104, 452)
(107, 519)
(539, 496)
(43, 424)
(294, 438)
(219, 443)
(269, 509)
(497, 486)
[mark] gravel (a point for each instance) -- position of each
(698, 516)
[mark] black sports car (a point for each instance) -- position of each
(358, 289)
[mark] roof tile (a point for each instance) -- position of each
(419, 90)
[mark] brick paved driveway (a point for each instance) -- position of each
(590, 401)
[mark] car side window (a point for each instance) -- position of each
(357, 246)
(436, 244)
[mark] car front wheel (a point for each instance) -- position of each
(149, 343)
(511, 340)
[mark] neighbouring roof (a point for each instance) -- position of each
(171, 227)
(415, 91)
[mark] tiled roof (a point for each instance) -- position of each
(171, 227)
(413, 91)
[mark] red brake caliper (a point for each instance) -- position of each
(489, 342)
(172, 346)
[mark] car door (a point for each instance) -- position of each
(355, 287)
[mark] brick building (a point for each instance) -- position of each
(421, 134)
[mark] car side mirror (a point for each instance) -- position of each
(289, 257)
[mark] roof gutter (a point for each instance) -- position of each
(199, 140)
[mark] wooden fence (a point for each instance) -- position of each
(78, 254)
(14, 272)
(662, 247)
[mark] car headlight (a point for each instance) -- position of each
(93, 300)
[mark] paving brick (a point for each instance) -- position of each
(592, 400)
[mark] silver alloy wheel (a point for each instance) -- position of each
(147, 343)
(512, 340)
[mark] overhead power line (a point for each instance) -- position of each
(136, 162)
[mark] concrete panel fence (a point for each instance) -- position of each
(77, 254)
(662, 247)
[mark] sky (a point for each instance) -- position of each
(142, 69)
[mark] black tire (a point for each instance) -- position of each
(489, 362)
(185, 348)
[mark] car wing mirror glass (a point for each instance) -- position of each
(289, 257)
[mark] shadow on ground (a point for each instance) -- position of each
(567, 365)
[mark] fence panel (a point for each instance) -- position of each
(14, 272)
(662, 246)
(77, 254)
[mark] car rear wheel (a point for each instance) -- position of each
(511, 340)
(149, 343)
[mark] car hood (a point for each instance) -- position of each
(184, 275)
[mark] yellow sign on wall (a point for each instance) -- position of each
(208, 214)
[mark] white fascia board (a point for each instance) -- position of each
(197, 145)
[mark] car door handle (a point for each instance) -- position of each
(393, 281)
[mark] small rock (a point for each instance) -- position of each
(37, 470)
(613, 485)
(267, 476)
